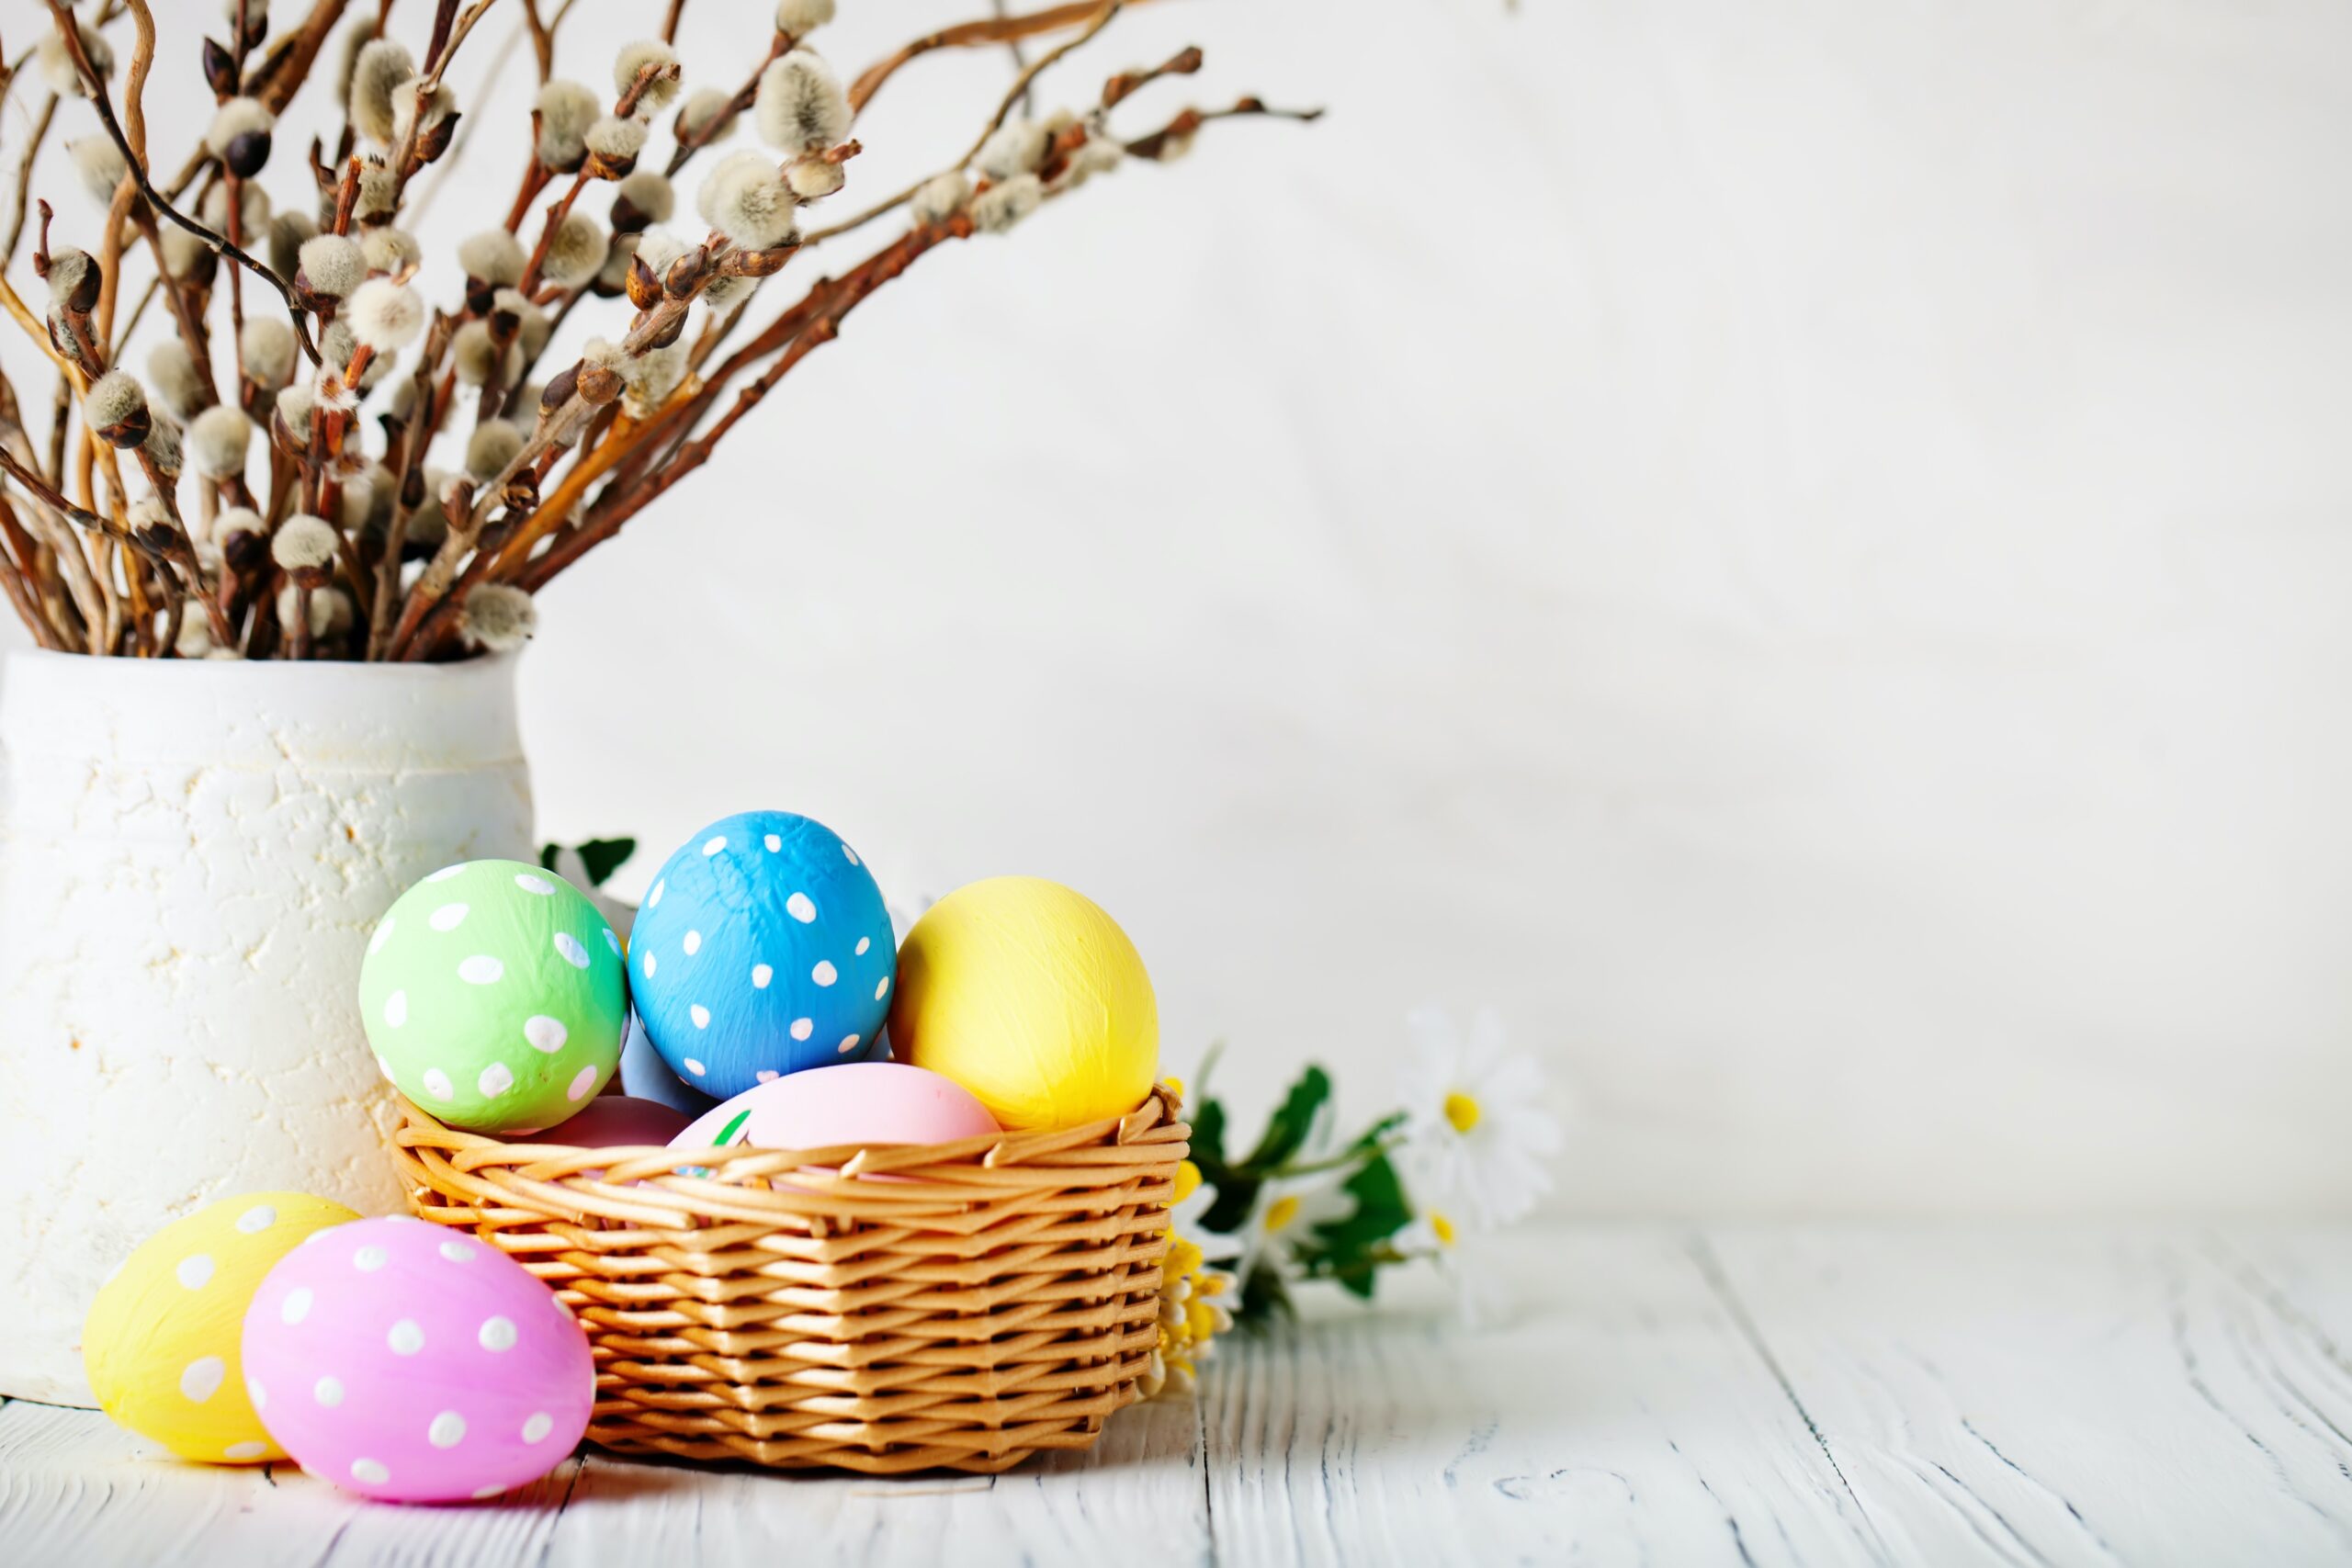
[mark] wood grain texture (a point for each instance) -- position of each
(1617, 1414)
(2054, 1397)
(1953, 1395)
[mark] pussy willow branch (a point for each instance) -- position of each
(587, 464)
(814, 320)
(220, 244)
(971, 35)
(25, 178)
(1099, 12)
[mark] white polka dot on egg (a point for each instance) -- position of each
(695, 1068)
(201, 1379)
(612, 942)
(395, 1009)
(459, 1251)
(497, 1334)
(258, 1395)
(767, 1074)
(716, 845)
(700, 1014)
(483, 969)
(406, 1338)
(539, 884)
(437, 1085)
(802, 1028)
(328, 1391)
(445, 873)
(824, 974)
(863, 943)
(649, 964)
(257, 1219)
(370, 1471)
(882, 987)
(367, 1259)
(297, 1305)
(800, 908)
(761, 976)
(447, 918)
(244, 1450)
(446, 1430)
(383, 934)
(774, 842)
(573, 954)
(849, 1044)
(654, 898)
(544, 1034)
(850, 854)
(495, 1080)
(582, 1082)
(692, 944)
(536, 1428)
(195, 1270)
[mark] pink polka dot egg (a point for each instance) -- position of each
(405, 1361)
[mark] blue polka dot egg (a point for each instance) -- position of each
(762, 948)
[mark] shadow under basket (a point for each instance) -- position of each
(958, 1305)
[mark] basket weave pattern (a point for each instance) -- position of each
(959, 1305)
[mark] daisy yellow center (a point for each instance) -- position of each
(1461, 1112)
(1188, 1179)
(1442, 1228)
(1280, 1211)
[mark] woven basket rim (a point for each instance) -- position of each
(841, 1171)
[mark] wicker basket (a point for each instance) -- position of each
(961, 1305)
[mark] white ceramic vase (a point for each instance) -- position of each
(191, 856)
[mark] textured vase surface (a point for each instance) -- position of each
(191, 856)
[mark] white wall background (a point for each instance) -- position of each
(1799, 549)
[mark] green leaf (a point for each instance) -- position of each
(1263, 1299)
(1352, 1251)
(1231, 1206)
(599, 857)
(1293, 1120)
(604, 856)
(1381, 1210)
(1372, 1137)
(1208, 1139)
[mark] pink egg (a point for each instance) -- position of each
(860, 1102)
(614, 1122)
(414, 1363)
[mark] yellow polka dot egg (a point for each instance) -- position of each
(160, 1344)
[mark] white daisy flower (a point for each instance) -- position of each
(1285, 1218)
(1434, 1236)
(1192, 1200)
(1478, 1142)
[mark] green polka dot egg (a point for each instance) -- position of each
(495, 997)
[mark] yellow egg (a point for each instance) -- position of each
(161, 1342)
(1032, 998)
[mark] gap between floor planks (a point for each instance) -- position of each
(1742, 1395)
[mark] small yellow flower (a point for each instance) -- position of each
(1191, 1317)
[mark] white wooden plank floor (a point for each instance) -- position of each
(1753, 1395)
